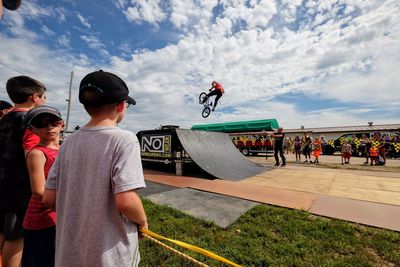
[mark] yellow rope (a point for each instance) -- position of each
(188, 246)
(176, 251)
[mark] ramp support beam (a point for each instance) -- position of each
(178, 163)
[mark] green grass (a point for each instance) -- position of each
(270, 236)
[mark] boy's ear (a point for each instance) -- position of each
(121, 106)
(35, 97)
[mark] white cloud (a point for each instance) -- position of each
(192, 16)
(94, 43)
(64, 40)
(145, 11)
(47, 31)
(84, 21)
(259, 50)
(50, 67)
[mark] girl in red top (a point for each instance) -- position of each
(40, 221)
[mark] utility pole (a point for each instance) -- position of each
(69, 101)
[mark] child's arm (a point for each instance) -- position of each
(49, 198)
(130, 205)
(35, 161)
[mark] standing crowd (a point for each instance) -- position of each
(375, 149)
(73, 204)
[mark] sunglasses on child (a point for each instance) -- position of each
(44, 123)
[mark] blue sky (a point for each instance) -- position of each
(312, 63)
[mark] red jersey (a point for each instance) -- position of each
(38, 216)
(219, 87)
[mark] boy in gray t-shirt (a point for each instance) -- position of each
(93, 182)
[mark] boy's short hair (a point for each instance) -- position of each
(20, 88)
(102, 88)
(96, 110)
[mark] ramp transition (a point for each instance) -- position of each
(215, 153)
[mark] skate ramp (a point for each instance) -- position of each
(216, 154)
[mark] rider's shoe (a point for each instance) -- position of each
(213, 109)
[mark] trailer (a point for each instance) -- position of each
(250, 137)
(213, 152)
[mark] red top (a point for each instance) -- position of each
(373, 152)
(30, 140)
(317, 146)
(38, 216)
(219, 87)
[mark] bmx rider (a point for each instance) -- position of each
(216, 89)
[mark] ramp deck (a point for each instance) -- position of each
(216, 154)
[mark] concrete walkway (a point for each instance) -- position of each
(366, 197)
(361, 185)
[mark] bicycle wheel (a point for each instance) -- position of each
(202, 96)
(206, 112)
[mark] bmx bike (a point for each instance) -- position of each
(207, 104)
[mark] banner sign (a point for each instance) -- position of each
(157, 146)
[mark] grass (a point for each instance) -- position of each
(270, 236)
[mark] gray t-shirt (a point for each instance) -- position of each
(94, 164)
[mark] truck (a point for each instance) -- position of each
(393, 144)
(252, 143)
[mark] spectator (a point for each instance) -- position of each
(373, 154)
(77, 184)
(317, 149)
(382, 149)
(353, 143)
(297, 148)
(15, 141)
(40, 222)
(287, 144)
(346, 152)
(307, 147)
(278, 147)
(323, 144)
(364, 147)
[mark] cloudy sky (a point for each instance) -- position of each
(312, 63)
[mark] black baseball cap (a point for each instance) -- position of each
(35, 112)
(107, 87)
(4, 105)
(11, 4)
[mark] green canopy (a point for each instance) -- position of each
(239, 126)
